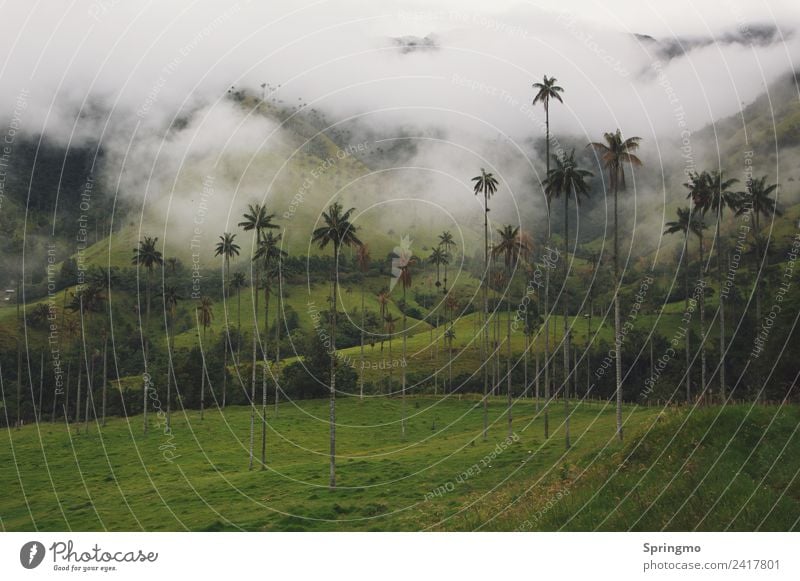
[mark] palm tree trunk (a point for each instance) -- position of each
(146, 351)
(19, 370)
(78, 401)
(278, 347)
(566, 324)
(239, 326)
(225, 372)
(537, 382)
(105, 380)
(403, 369)
(203, 349)
(170, 375)
(332, 401)
(721, 308)
(436, 354)
(703, 385)
(508, 362)
(89, 386)
(265, 358)
(687, 340)
(485, 315)
(253, 370)
(38, 414)
(361, 371)
(617, 322)
(264, 416)
(65, 406)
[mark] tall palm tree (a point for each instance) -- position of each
(171, 298)
(614, 155)
(339, 232)
(148, 256)
(362, 258)
(685, 224)
(446, 242)
(227, 249)
(566, 179)
(715, 194)
(545, 91)
(256, 219)
(405, 281)
(510, 248)
(485, 184)
(756, 200)
(438, 257)
(270, 253)
(205, 315)
(449, 336)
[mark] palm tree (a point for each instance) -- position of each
(171, 298)
(757, 201)
(566, 179)
(148, 256)
(715, 195)
(405, 281)
(485, 184)
(270, 253)
(446, 242)
(449, 335)
(510, 247)
(362, 258)
(228, 249)
(685, 224)
(256, 220)
(545, 91)
(337, 231)
(614, 155)
(438, 257)
(205, 315)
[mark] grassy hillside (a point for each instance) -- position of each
(679, 470)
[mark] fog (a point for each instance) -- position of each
(149, 85)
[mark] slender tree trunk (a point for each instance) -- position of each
(19, 371)
(566, 323)
(78, 401)
(485, 315)
(278, 347)
(436, 354)
(589, 344)
(146, 351)
(525, 366)
(361, 371)
(403, 369)
(537, 382)
(703, 384)
(239, 326)
(89, 389)
(105, 380)
(264, 416)
(617, 323)
(225, 372)
(265, 357)
(203, 349)
(547, 289)
(65, 406)
(253, 370)
(170, 375)
(38, 414)
(687, 340)
(332, 401)
(721, 307)
(508, 350)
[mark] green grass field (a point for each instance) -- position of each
(441, 476)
